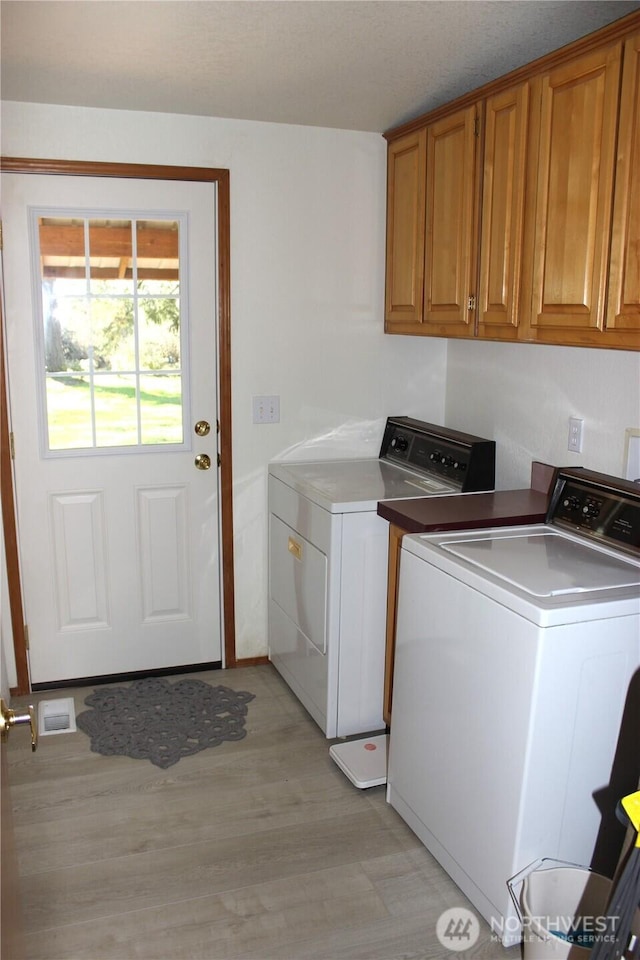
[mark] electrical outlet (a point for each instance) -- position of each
(266, 409)
(575, 434)
(632, 454)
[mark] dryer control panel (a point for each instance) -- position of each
(466, 461)
(597, 506)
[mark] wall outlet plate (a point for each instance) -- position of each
(575, 434)
(266, 409)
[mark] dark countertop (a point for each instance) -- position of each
(467, 511)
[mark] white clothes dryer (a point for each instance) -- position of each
(328, 562)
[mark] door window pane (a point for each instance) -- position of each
(112, 338)
(111, 260)
(66, 329)
(69, 409)
(162, 402)
(112, 332)
(159, 333)
(116, 409)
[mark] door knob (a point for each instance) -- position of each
(202, 428)
(203, 461)
(9, 718)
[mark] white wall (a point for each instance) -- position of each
(522, 395)
(307, 284)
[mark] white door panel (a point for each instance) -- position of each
(119, 545)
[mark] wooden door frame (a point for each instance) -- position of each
(219, 176)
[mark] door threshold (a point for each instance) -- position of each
(125, 677)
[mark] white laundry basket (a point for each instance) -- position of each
(569, 900)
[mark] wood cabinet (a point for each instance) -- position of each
(406, 184)
(623, 304)
(532, 228)
(431, 220)
(571, 222)
(451, 215)
(503, 195)
(442, 294)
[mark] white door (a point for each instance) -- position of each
(110, 300)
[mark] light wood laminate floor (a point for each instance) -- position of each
(256, 850)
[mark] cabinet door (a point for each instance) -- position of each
(405, 233)
(503, 191)
(451, 241)
(573, 190)
(623, 307)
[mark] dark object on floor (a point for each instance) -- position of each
(619, 939)
(154, 719)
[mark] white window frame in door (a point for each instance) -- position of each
(181, 217)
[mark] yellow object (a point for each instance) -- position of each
(295, 548)
(631, 806)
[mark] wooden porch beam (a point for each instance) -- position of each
(67, 240)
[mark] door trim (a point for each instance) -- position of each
(80, 168)
(10, 532)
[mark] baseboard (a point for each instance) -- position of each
(252, 662)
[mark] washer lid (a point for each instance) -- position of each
(544, 563)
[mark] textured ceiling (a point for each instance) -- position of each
(357, 64)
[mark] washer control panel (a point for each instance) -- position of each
(597, 506)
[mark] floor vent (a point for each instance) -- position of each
(56, 716)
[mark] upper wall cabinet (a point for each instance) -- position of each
(406, 182)
(503, 193)
(431, 224)
(451, 218)
(573, 186)
(623, 302)
(526, 223)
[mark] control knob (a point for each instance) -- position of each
(571, 503)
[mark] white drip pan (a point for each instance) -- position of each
(56, 716)
(364, 761)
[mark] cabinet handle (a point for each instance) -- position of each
(295, 548)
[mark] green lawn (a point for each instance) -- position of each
(69, 410)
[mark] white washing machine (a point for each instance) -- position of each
(516, 649)
(328, 563)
